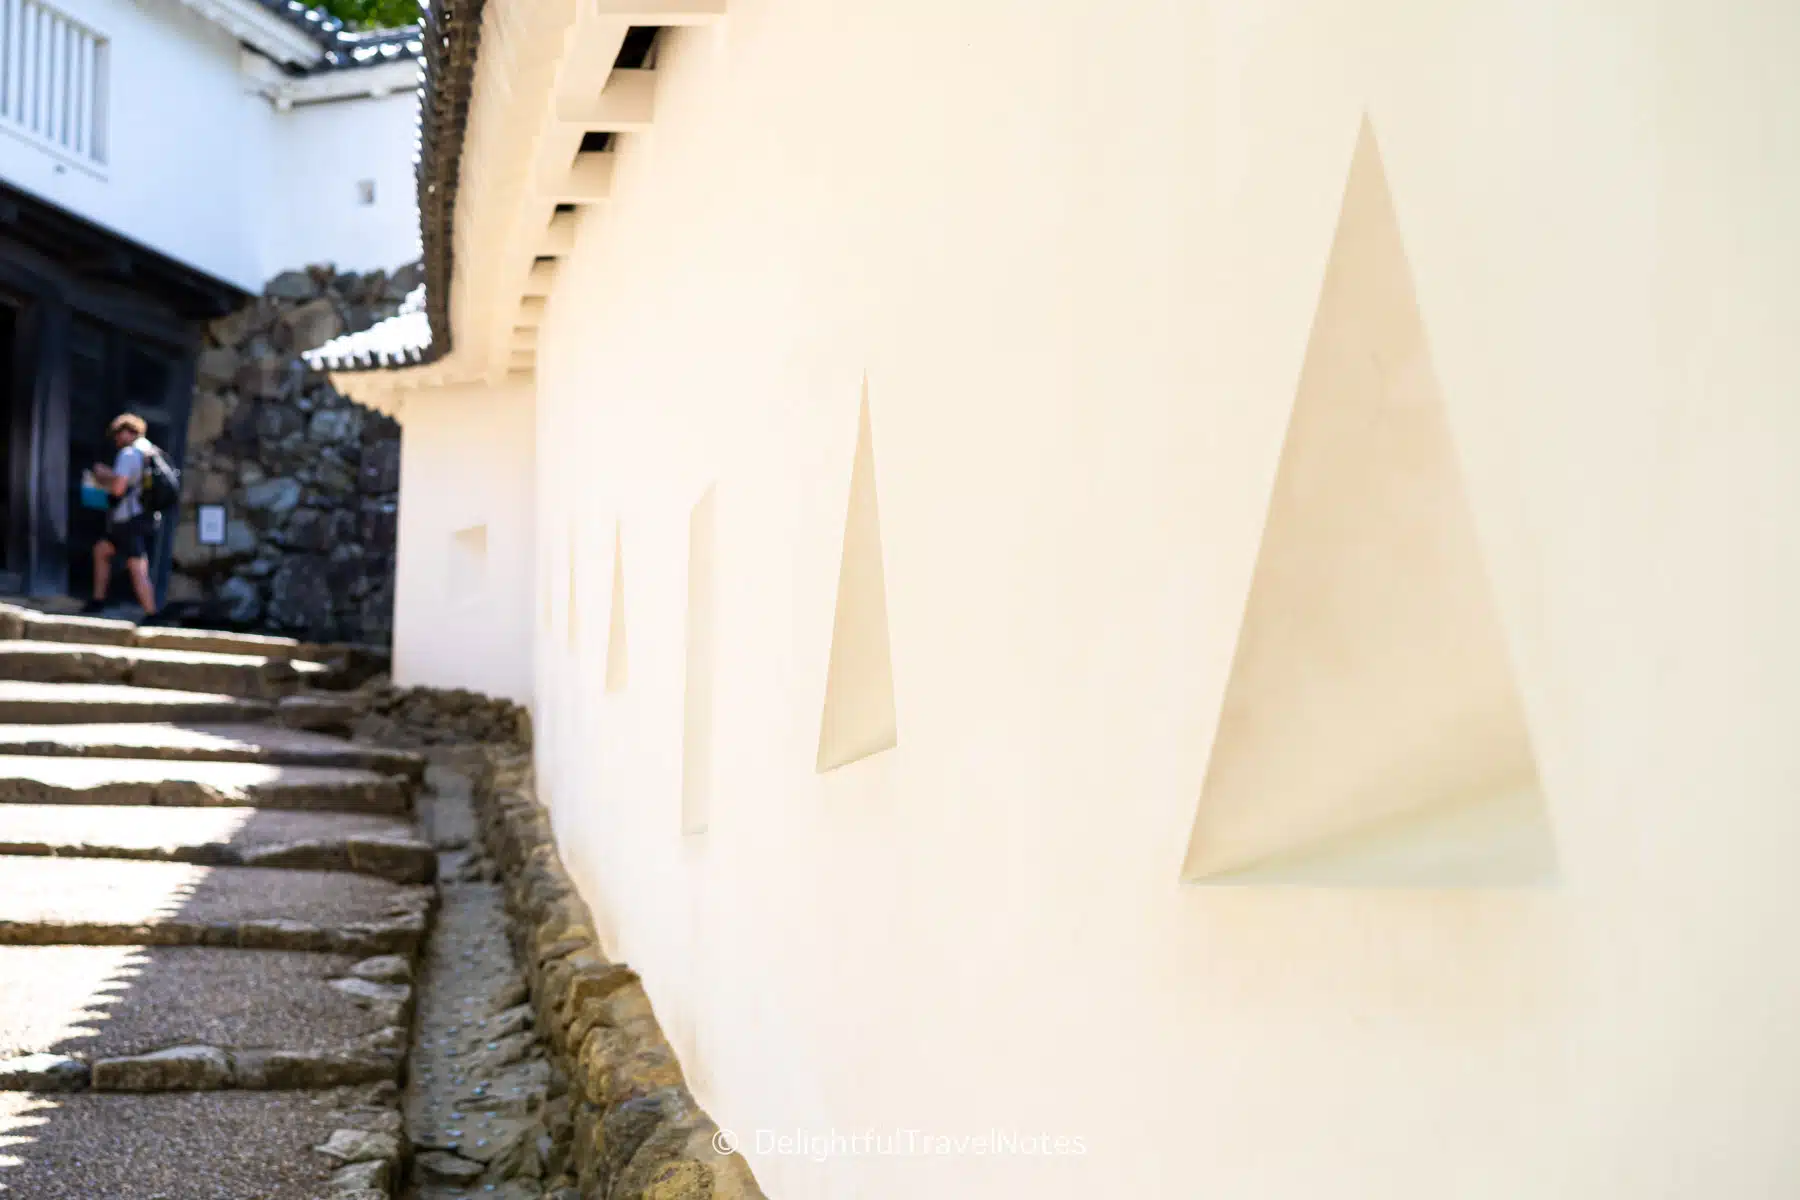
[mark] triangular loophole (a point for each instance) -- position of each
(1372, 731)
(859, 687)
(616, 662)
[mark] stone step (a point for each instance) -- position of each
(318, 711)
(218, 642)
(207, 743)
(23, 702)
(385, 847)
(192, 1146)
(18, 622)
(249, 675)
(89, 1016)
(46, 779)
(111, 902)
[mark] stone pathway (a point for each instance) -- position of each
(209, 923)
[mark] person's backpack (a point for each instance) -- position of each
(160, 488)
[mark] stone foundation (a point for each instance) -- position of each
(637, 1130)
(634, 1130)
(422, 717)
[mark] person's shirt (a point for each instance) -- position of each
(129, 466)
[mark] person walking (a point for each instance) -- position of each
(130, 529)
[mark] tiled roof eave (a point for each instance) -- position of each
(452, 41)
(401, 341)
(340, 48)
(353, 52)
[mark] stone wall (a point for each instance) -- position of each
(309, 479)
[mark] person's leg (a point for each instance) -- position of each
(140, 583)
(138, 540)
(103, 561)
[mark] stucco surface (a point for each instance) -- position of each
(1078, 250)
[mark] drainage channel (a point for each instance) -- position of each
(486, 1112)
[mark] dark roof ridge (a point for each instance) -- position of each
(452, 40)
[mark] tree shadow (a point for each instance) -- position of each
(119, 991)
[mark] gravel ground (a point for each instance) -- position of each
(147, 829)
(39, 779)
(236, 743)
(175, 1146)
(38, 703)
(110, 891)
(105, 1001)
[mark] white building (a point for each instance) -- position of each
(238, 137)
(1213, 578)
(160, 160)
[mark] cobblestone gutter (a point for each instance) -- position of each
(590, 1104)
(637, 1131)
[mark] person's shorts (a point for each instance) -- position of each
(133, 538)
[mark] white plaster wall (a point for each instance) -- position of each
(1076, 247)
(462, 599)
(318, 154)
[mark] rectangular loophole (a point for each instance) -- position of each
(466, 573)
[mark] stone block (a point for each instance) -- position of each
(242, 600)
(368, 992)
(592, 985)
(300, 596)
(441, 1166)
(402, 862)
(513, 1020)
(332, 426)
(292, 285)
(306, 530)
(273, 496)
(683, 1179)
(375, 1176)
(615, 1067)
(278, 422)
(380, 467)
(311, 325)
(360, 1145)
(386, 968)
(43, 1073)
(344, 525)
(178, 1069)
(212, 486)
(260, 376)
(240, 539)
(216, 366)
(186, 550)
(316, 712)
(239, 327)
(206, 420)
(279, 1070)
